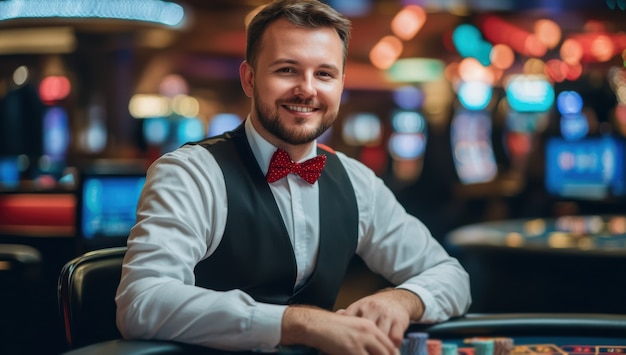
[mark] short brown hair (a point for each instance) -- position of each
(303, 13)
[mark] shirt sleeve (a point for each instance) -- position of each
(399, 247)
(181, 217)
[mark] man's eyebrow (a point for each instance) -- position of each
(282, 61)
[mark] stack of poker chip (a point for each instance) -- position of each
(417, 344)
(449, 349)
(491, 346)
(434, 347)
(503, 346)
(483, 347)
(404, 348)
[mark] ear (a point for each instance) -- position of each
(246, 76)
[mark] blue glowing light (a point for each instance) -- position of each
(574, 126)
(530, 94)
(472, 150)
(56, 134)
(408, 97)
(162, 12)
(223, 122)
(408, 122)
(190, 130)
(353, 8)
(9, 172)
(362, 128)
(469, 42)
(156, 130)
(590, 168)
(475, 95)
(569, 102)
(406, 145)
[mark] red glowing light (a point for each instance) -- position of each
(54, 88)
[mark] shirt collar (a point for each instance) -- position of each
(262, 149)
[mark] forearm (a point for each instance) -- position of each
(189, 314)
(295, 325)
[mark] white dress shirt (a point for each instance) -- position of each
(180, 221)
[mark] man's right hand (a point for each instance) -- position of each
(334, 334)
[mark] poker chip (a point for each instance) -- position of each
(483, 347)
(449, 349)
(501, 345)
(404, 348)
(434, 347)
(418, 343)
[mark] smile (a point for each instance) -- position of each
(300, 108)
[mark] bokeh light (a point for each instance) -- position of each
(469, 42)
(548, 32)
(475, 95)
(408, 122)
(569, 102)
(156, 130)
(408, 21)
(408, 97)
(54, 88)
(502, 56)
(362, 129)
(416, 70)
(529, 93)
(20, 75)
(223, 122)
(406, 145)
(147, 106)
(385, 52)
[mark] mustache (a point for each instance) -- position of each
(300, 101)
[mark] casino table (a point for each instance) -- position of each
(571, 264)
(531, 334)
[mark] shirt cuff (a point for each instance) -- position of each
(431, 310)
(265, 329)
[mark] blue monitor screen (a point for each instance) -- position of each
(9, 172)
(108, 204)
(590, 168)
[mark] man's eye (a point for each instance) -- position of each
(325, 74)
(286, 70)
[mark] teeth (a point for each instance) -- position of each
(300, 108)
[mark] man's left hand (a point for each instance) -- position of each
(391, 310)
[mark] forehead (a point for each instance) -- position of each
(284, 39)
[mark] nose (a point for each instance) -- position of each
(306, 86)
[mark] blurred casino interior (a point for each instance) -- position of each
(472, 111)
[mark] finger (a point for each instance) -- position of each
(396, 334)
(352, 311)
(384, 324)
(389, 346)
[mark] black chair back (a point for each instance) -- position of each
(20, 277)
(86, 296)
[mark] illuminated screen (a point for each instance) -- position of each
(591, 168)
(472, 150)
(9, 172)
(107, 204)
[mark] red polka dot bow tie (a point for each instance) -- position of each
(281, 165)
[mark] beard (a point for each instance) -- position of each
(268, 117)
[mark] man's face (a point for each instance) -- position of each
(297, 83)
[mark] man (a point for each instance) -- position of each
(230, 255)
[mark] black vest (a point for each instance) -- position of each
(255, 254)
